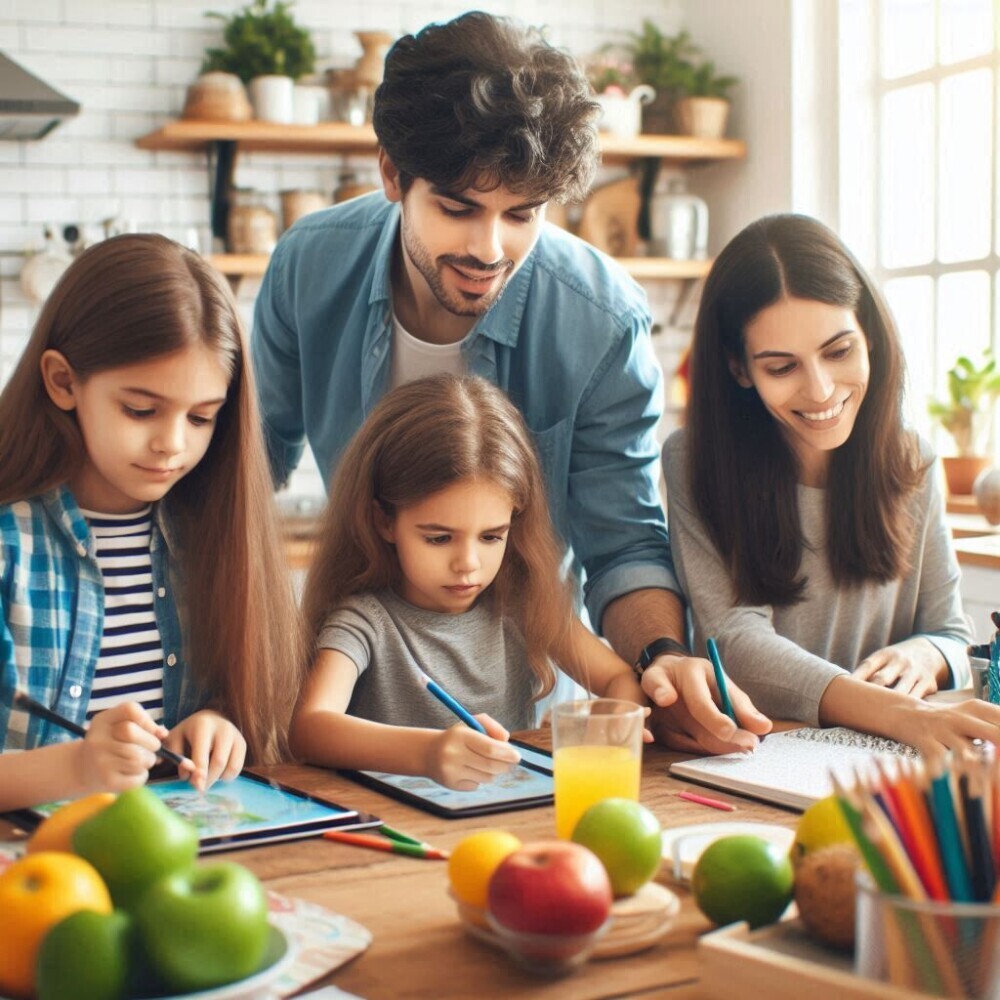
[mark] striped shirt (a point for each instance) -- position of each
(130, 664)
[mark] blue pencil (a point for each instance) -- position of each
(446, 699)
(720, 679)
(950, 840)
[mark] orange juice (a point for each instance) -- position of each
(586, 774)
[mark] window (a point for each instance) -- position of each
(919, 175)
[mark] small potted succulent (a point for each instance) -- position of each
(267, 49)
(967, 415)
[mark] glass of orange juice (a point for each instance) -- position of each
(597, 755)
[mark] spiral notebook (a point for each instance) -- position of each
(792, 768)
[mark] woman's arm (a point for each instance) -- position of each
(323, 733)
(783, 680)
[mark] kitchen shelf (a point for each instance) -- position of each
(195, 136)
(237, 265)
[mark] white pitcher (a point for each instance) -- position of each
(621, 114)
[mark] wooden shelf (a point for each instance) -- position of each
(247, 265)
(193, 136)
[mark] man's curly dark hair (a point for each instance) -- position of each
(482, 102)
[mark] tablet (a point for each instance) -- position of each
(249, 810)
(525, 786)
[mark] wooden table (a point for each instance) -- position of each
(419, 947)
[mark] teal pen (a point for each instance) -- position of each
(720, 679)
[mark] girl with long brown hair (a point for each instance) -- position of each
(806, 520)
(142, 587)
(437, 557)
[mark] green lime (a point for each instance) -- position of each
(626, 837)
(742, 878)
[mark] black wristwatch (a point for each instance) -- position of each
(659, 647)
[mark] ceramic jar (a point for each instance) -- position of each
(252, 227)
(678, 222)
(621, 113)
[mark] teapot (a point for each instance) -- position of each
(621, 113)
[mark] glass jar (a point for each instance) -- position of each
(252, 226)
(678, 222)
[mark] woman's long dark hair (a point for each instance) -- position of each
(742, 470)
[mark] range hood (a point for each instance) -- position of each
(29, 108)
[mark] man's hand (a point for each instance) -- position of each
(686, 715)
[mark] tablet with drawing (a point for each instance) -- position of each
(527, 785)
(249, 810)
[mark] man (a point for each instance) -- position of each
(480, 124)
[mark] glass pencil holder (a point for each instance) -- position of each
(941, 949)
(981, 686)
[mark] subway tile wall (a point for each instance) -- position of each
(129, 62)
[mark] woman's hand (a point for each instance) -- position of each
(934, 729)
(216, 748)
(686, 715)
(119, 749)
(915, 667)
(463, 759)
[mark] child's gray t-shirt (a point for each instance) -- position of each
(476, 657)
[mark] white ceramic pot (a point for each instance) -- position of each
(621, 114)
(273, 99)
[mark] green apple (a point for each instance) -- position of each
(204, 926)
(87, 956)
(626, 837)
(134, 841)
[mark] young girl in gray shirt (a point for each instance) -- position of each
(437, 557)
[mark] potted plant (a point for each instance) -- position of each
(701, 107)
(967, 415)
(267, 49)
(661, 61)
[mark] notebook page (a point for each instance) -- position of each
(792, 768)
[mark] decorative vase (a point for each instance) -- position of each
(986, 490)
(370, 67)
(704, 117)
(960, 472)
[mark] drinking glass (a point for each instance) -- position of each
(597, 754)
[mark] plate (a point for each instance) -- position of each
(683, 845)
(278, 956)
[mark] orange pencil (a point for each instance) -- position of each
(926, 854)
(377, 843)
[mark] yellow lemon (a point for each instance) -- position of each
(55, 832)
(473, 861)
(822, 825)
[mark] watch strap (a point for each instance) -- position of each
(663, 646)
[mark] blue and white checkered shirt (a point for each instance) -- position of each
(52, 604)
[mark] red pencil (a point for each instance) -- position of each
(385, 844)
(704, 800)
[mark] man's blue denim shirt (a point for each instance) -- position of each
(568, 341)
(52, 618)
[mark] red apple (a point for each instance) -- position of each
(551, 887)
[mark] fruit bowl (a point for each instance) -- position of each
(278, 957)
(546, 954)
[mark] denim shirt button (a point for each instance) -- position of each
(171, 660)
(161, 591)
(75, 691)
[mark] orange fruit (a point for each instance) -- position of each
(473, 862)
(36, 893)
(55, 832)
(742, 878)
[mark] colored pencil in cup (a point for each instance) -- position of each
(451, 704)
(40, 711)
(720, 679)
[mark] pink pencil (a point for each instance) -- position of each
(704, 800)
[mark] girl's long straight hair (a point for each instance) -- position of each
(129, 300)
(742, 470)
(421, 438)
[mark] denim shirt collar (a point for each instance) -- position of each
(502, 323)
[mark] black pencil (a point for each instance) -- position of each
(21, 700)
